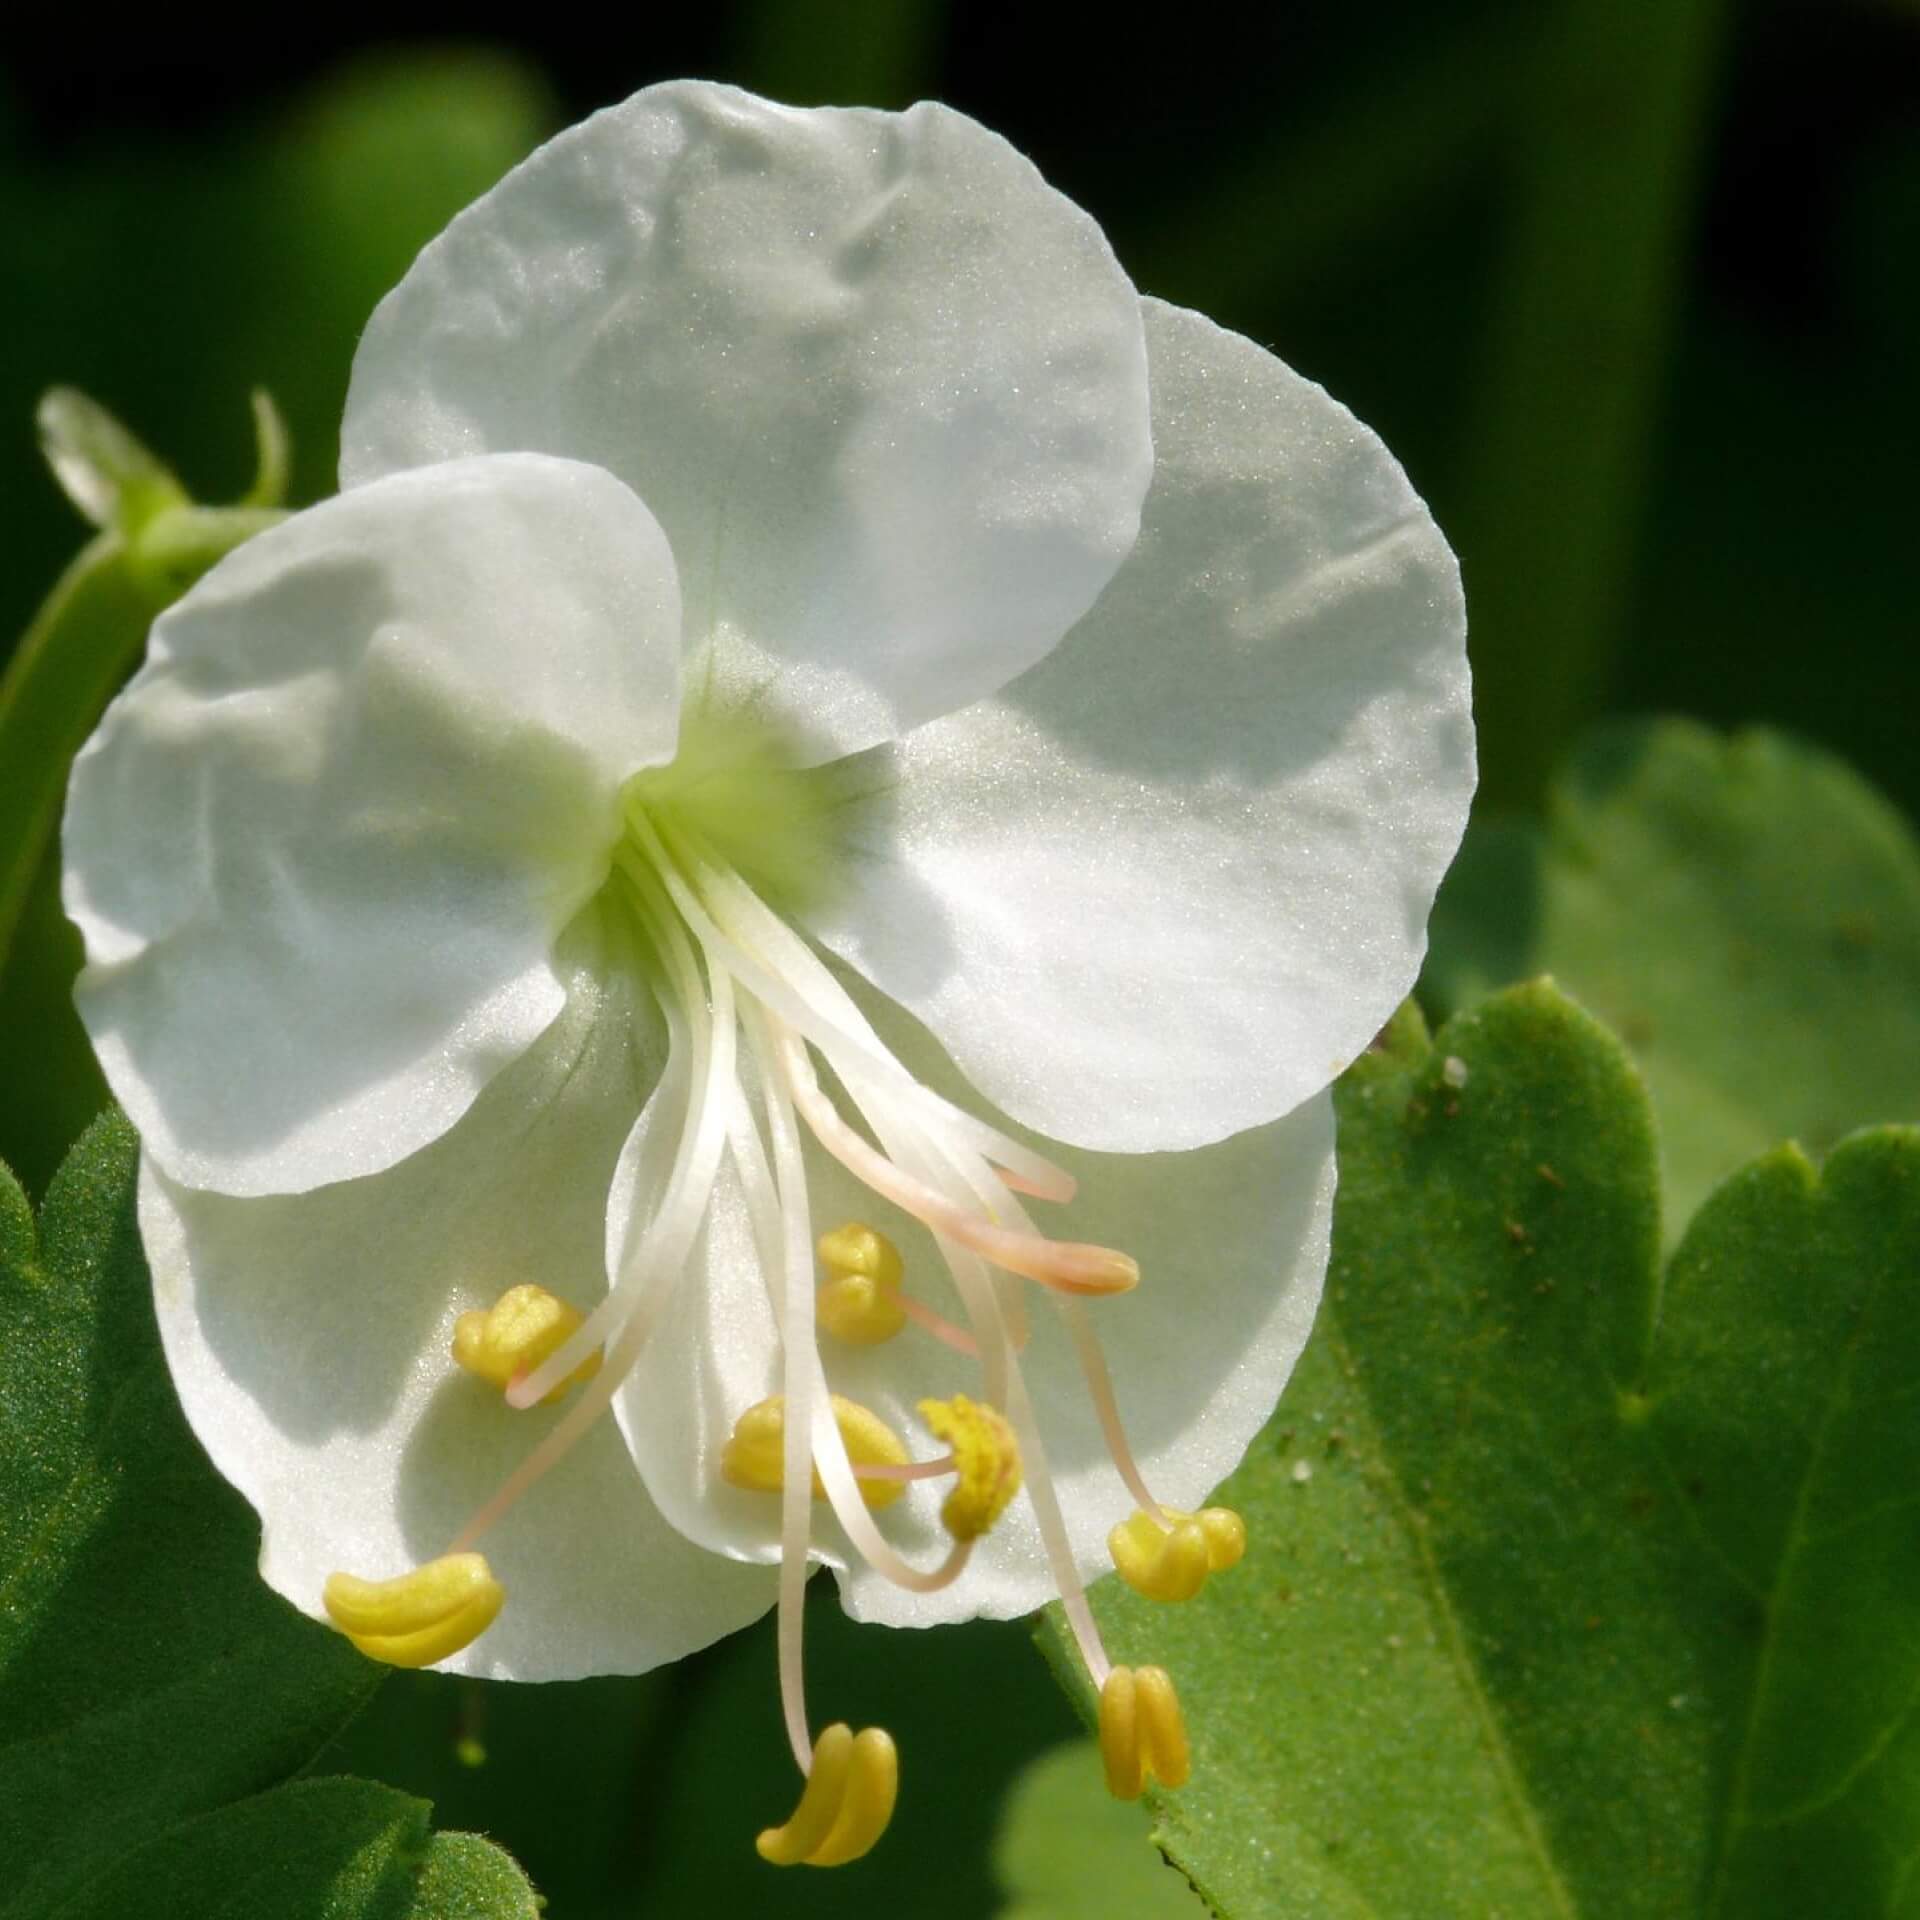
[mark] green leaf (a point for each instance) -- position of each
(1568, 1595)
(1068, 1851)
(147, 1675)
(314, 1850)
(466, 1877)
(1745, 913)
(557, 1773)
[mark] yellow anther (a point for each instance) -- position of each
(846, 1805)
(755, 1452)
(986, 1458)
(1142, 1733)
(514, 1335)
(860, 1304)
(1172, 1563)
(422, 1616)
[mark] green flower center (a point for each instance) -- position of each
(737, 791)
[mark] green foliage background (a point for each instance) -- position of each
(1630, 286)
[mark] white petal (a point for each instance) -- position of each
(308, 1337)
(885, 389)
(1232, 1241)
(1171, 881)
(321, 847)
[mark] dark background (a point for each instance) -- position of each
(1565, 297)
(1630, 285)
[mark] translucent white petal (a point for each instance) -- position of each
(322, 845)
(1168, 883)
(308, 1337)
(1232, 1242)
(884, 388)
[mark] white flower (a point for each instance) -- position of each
(765, 625)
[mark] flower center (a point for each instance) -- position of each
(749, 1008)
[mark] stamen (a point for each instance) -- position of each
(1005, 1385)
(861, 1303)
(942, 1329)
(987, 1458)
(913, 1470)
(515, 1334)
(956, 1175)
(849, 1798)
(806, 1391)
(566, 1432)
(1143, 1735)
(1172, 1562)
(985, 1188)
(1068, 1265)
(755, 1453)
(1160, 1552)
(1093, 1368)
(980, 1295)
(777, 1199)
(419, 1617)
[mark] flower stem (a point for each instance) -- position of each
(75, 653)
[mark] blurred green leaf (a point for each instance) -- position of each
(1323, 198)
(147, 1676)
(1745, 913)
(1609, 138)
(555, 1772)
(1068, 1851)
(1550, 1611)
(314, 1850)
(354, 182)
(839, 53)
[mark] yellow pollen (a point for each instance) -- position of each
(1172, 1563)
(860, 1304)
(514, 1335)
(753, 1455)
(986, 1458)
(846, 1804)
(420, 1617)
(1142, 1733)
